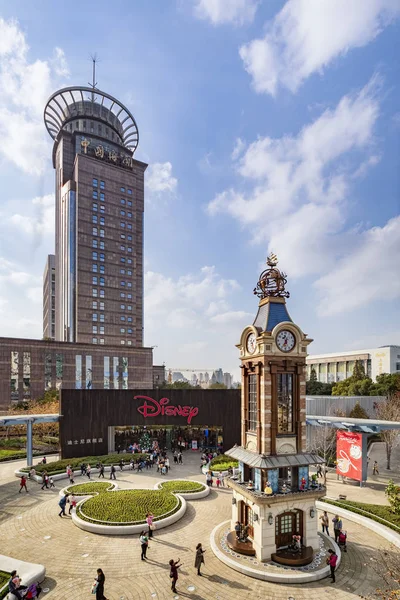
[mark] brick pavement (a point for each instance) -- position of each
(71, 556)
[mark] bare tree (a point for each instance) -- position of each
(323, 443)
(389, 411)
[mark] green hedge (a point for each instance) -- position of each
(11, 454)
(59, 466)
(223, 463)
(187, 487)
(128, 507)
(377, 512)
(83, 489)
(4, 578)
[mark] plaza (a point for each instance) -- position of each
(31, 530)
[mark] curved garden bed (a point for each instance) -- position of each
(191, 490)
(124, 512)
(59, 467)
(221, 464)
(90, 488)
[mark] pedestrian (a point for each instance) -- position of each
(14, 586)
(199, 560)
(32, 473)
(83, 468)
(70, 474)
(45, 480)
(375, 470)
(88, 471)
(72, 503)
(222, 479)
(99, 585)
(218, 481)
(167, 465)
(44, 460)
(62, 504)
(149, 521)
(237, 530)
(337, 526)
(175, 457)
(51, 482)
(332, 561)
(325, 522)
(22, 484)
(319, 471)
(209, 478)
(112, 472)
(119, 448)
(101, 470)
(180, 458)
(121, 464)
(174, 566)
(144, 543)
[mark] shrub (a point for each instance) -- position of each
(377, 512)
(83, 489)
(128, 507)
(223, 463)
(59, 466)
(186, 487)
(4, 578)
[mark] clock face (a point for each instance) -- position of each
(285, 340)
(251, 343)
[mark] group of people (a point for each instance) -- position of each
(219, 481)
(19, 591)
(67, 499)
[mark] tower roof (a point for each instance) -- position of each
(271, 290)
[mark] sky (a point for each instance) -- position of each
(267, 126)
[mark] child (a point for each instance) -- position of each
(51, 482)
(218, 482)
(164, 470)
(72, 503)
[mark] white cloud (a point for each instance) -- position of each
(232, 316)
(239, 147)
(297, 192)
(219, 12)
(307, 35)
(24, 88)
(41, 222)
(159, 179)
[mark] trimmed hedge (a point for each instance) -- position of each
(11, 454)
(223, 463)
(184, 487)
(84, 489)
(128, 507)
(59, 466)
(377, 512)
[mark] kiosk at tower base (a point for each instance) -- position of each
(274, 496)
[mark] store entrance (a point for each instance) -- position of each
(130, 438)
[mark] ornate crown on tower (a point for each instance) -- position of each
(272, 281)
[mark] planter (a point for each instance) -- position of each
(187, 495)
(112, 488)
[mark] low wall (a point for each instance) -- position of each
(188, 495)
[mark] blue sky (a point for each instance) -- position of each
(266, 125)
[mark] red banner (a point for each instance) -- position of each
(349, 454)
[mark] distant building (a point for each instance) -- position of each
(334, 367)
(219, 374)
(228, 380)
(206, 378)
(159, 375)
(49, 298)
(178, 376)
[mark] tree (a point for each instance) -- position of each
(386, 384)
(358, 371)
(317, 388)
(323, 443)
(217, 386)
(389, 411)
(181, 385)
(393, 493)
(358, 412)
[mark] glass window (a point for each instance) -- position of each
(101, 268)
(129, 202)
(94, 255)
(94, 180)
(122, 271)
(102, 185)
(94, 243)
(129, 342)
(102, 257)
(101, 280)
(122, 248)
(94, 317)
(122, 236)
(94, 268)
(102, 197)
(129, 284)
(122, 201)
(129, 272)
(101, 305)
(285, 402)
(101, 293)
(101, 340)
(122, 330)
(122, 224)
(129, 238)
(129, 226)
(122, 259)
(122, 306)
(102, 208)
(101, 318)
(102, 221)
(252, 403)
(122, 190)
(122, 295)
(94, 304)
(129, 296)
(94, 280)
(94, 293)
(94, 218)
(94, 230)
(130, 215)
(94, 340)
(101, 245)
(129, 330)
(101, 232)
(122, 342)
(94, 206)
(129, 261)
(94, 328)
(129, 192)
(129, 307)
(129, 248)
(94, 194)
(102, 329)
(129, 319)
(122, 283)
(122, 318)
(122, 213)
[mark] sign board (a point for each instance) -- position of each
(351, 455)
(194, 444)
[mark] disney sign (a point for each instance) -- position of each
(153, 408)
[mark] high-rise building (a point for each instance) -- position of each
(99, 218)
(49, 299)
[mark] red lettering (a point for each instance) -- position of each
(152, 408)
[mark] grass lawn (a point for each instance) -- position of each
(11, 453)
(4, 577)
(377, 512)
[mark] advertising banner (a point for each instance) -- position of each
(349, 455)
(194, 444)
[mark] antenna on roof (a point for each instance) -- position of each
(93, 85)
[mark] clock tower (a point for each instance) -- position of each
(274, 498)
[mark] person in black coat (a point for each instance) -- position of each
(100, 585)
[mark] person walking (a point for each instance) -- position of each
(209, 478)
(22, 484)
(70, 474)
(45, 480)
(332, 561)
(88, 471)
(112, 472)
(319, 471)
(375, 470)
(174, 566)
(144, 543)
(51, 482)
(72, 503)
(149, 521)
(337, 526)
(180, 458)
(99, 583)
(325, 522)
(101, 470)
(83, 468)
(199, 560)
(62, 504)
(222, 479)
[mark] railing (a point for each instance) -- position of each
(242, 486)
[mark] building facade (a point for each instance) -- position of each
(334, 367)
(99, 219)
(49, 299)
(28, 368)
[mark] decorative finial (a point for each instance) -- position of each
(93, 85)
(272, 281)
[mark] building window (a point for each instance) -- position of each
(129, 284)
(129, 238)
(101, 318)
(122, 271)
(129, 296)
(122, 190)
(94, 206)
(102, 208)
(101, 245)
(129, 261)
(101, 232)
(94, 268)
(130, 215)
(122, 283)
(122, 259)
(94, 280)
(101, 305)
(102, 196)
(78, 371)
(285, 402)
(122, 213)
(122, 248)
(94, 304)
(94, 230)
(94, 328)
(94, 194)
(122, 224)
(94, 340)
(122, 318)
(94, 243)
(129, 342)
(122, 295)
(129, 330)
(129, 225)
(398, 366)
(122, 306)
(102, 257)
(129, 307)
(101, 280)
(101, 340)
(94, 255)
(129, 248)
(122, 330)
(94, 218)
(122, 236)
(122, 201)
(102, 221)
(129, 192)
(129, 319)
(129, 272)
(102, 185)
(94, 293)
(129, 202)
(252, 403)
(122, 342)
(94, 180)
(94, 317)
(102, 329)
(101, 293)
(101, 268)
